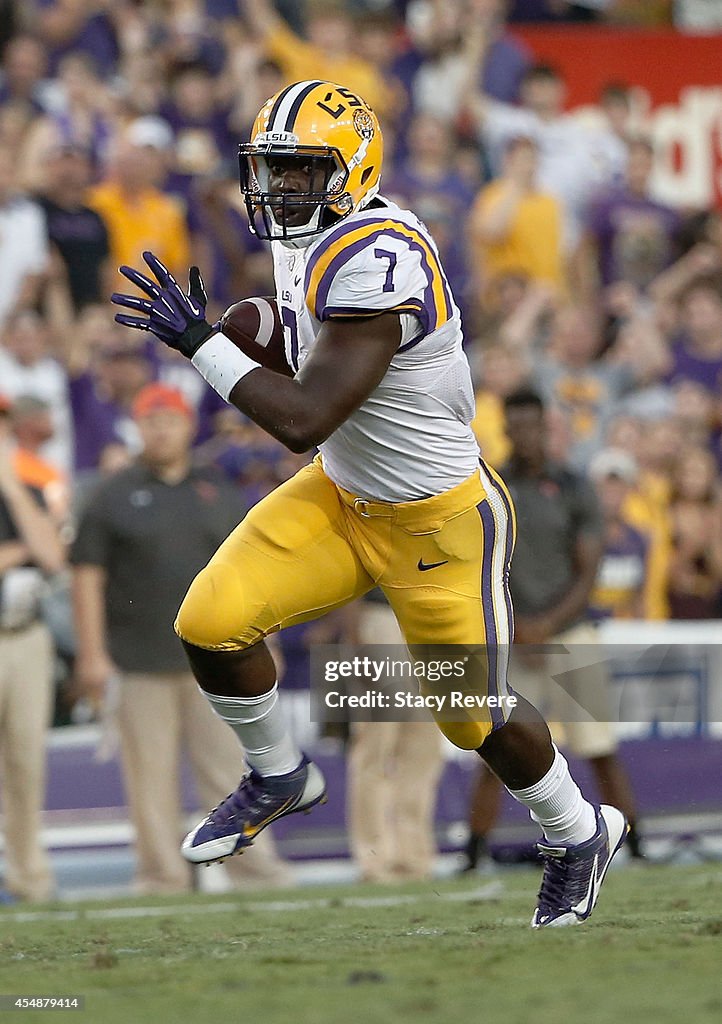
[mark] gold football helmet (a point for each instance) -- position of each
(330, 141)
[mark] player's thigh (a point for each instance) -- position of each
(288, 561)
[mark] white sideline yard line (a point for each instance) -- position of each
(491, 891)
(99, 834)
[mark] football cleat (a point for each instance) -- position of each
(573, 875)
(259, 800)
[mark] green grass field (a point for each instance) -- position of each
(440, 953)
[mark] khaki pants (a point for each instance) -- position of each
(159, 716)
(577, 706)
(26, 700)
(393, 774)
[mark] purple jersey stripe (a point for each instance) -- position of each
(354, 311)
(509, 550)
(491, 640)
(412, 306)
(504, 649)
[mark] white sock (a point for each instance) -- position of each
(260, 725)
(555, 802)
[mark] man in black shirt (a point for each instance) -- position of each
(556, 558)
(78, 233)
(144, 535)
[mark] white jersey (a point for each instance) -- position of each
(412, 437)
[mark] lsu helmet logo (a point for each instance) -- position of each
(363, 122)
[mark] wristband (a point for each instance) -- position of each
(222, 364)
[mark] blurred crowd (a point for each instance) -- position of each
(119, 128)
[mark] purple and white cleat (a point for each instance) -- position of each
(258, 801)
(573, 875)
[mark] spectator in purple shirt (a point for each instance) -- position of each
(188, 36)
(104, 375)
(619, 589)
(506, 58)
(101, 399)
(633, 236)
(200, 125)
(77, 27)
(438, 81)
(697, 352)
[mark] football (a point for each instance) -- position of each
(255, 327)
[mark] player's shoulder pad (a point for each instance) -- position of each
(377, 261)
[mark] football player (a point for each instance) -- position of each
(377, 380)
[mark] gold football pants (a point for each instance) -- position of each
(310, 547)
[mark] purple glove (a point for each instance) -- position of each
(175, 317)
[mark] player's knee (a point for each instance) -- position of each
(212, 614)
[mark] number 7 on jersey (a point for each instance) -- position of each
(384, 254)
